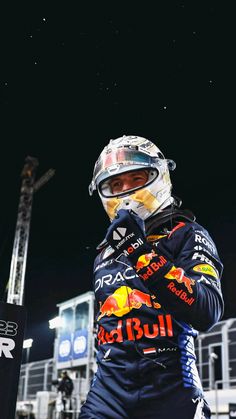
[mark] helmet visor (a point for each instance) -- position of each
(137, 179)
(114, 161)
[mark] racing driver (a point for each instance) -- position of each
(156, 283)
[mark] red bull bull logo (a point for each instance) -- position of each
(123, 300)
(178, 275)
(133, 329)
(153, 267)
(144, 261)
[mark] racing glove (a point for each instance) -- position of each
(126, 235)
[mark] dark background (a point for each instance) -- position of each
(72, 77)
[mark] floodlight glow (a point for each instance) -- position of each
(56, 322)
(27, 343)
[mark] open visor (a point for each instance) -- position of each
(105, 187)
(115, 161)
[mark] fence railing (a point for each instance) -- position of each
(217, 383)
(35, 376)
(216, 355)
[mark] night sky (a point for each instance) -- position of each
(72, 77)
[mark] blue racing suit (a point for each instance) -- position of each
(149, 314)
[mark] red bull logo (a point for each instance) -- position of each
(144, 261)
(180, 294)
(133, 329)
(123, 300)
(178, 275)
(153, 267)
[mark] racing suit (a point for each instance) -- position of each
(149, 314)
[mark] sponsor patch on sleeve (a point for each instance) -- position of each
(154, 237)
(206, 269)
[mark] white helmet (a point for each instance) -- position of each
(126, 154)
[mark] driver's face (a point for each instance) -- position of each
(129, 180)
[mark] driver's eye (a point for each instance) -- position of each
(116, 184)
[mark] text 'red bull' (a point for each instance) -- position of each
(132, 329)
(181, 294)
(153, 267)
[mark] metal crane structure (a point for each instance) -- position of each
(20, 247)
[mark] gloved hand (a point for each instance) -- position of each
(126, 235)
